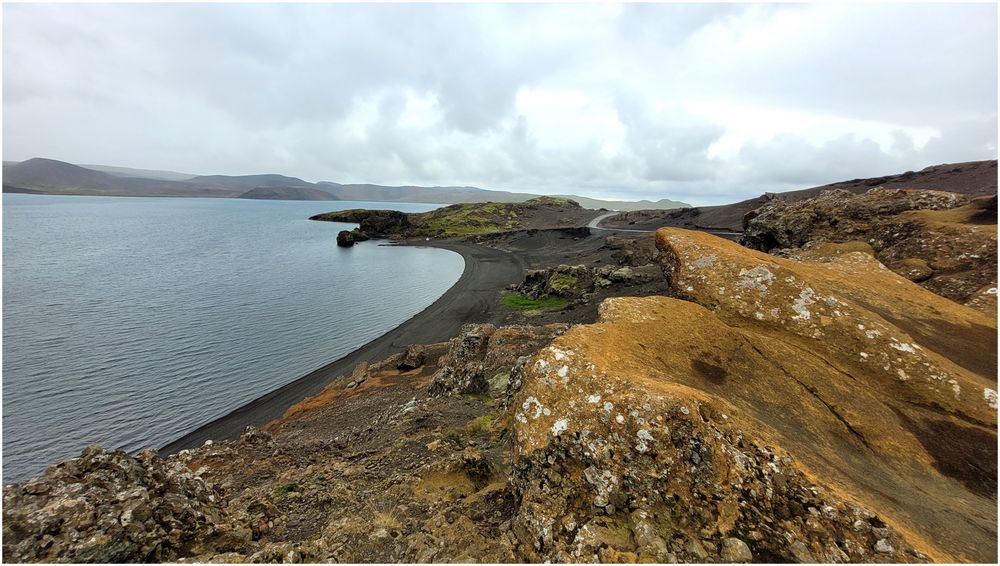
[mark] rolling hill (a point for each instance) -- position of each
(49, 176)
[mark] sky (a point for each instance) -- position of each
(703, 103)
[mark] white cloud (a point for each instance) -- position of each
(705, 103)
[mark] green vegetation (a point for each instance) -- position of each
(481, 397)
(464, 219)
(483, 423)
(560, 282)
(520, 302)
(284, 490)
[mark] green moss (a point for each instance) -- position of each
(483, 423)
(284, 490)
(520, 302)
(560, 282)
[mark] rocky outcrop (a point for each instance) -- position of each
(579, 282)
(371, 222)
(413, 357)
(111, 507)
(469, 219)
(482, 357)
(814, 411)
(944, 241)
(345, 239)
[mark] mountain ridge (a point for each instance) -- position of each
(49, 176)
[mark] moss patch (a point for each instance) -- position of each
(483, 423)
(560, 282)
(520, 302)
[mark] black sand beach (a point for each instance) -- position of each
(472, 299)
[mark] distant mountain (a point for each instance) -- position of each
(247, 182)
(48, 176)
(143, 173)
(459, 195)
(409, 193)
(594, 203)
(287, 193)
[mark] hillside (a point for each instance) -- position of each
(48, 176)
(465, 219)
(973, 178)
(141, 173)
(287, 193)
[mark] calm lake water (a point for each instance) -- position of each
(130, 321)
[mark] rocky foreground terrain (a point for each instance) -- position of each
(690, 400)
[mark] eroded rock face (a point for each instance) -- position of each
(944, 241)
(615, 463)
(662, 423)
(481, 358)
(111, 507)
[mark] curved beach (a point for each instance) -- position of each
(471, 299)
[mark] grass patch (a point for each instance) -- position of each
(519, 302)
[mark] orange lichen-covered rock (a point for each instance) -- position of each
(860, 316)
(669, 427)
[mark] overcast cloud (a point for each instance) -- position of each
(701, 103)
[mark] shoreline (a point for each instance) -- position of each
(472, 299)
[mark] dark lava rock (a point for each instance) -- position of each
(345, 239)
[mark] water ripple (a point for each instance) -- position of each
(127, 322)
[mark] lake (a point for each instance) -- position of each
(128, 322)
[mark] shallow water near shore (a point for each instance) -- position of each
(130, 321)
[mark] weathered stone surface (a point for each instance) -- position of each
(944, 241)
(482, 352)
(413, 357)
(671, 413)
(624, 454)
(112, 507)
(735, 551)
(852, 311)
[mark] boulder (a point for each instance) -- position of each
(413, 358)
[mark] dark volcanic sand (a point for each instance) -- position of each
(472, 299)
